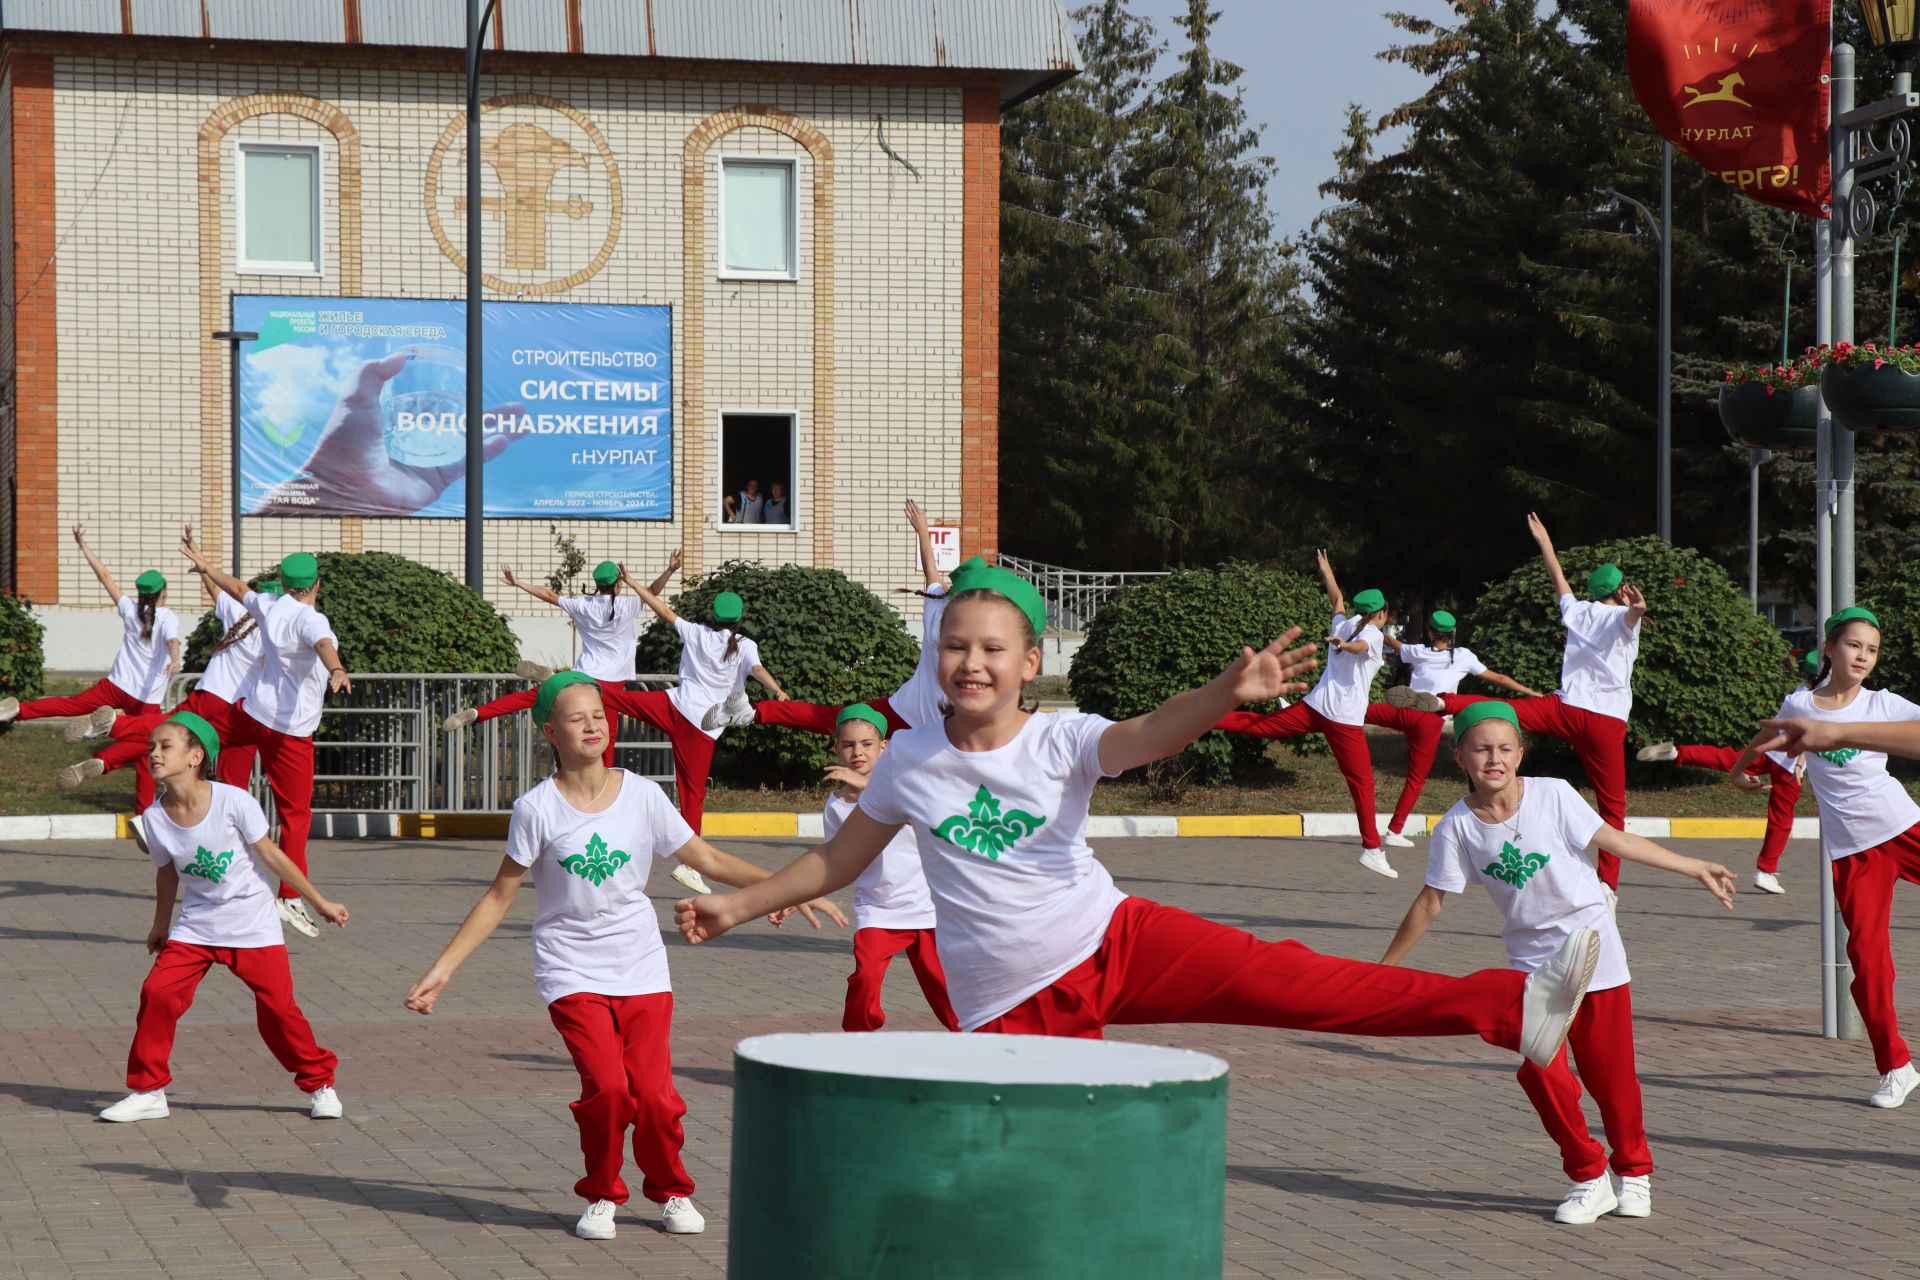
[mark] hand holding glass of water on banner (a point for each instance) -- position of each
(422, 405)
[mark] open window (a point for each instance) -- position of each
(277, 207)
(756, 472)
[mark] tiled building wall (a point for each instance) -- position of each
(9, 284)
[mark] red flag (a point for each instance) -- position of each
(1738, 85)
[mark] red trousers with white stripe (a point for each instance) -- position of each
(168, 992)
(1158, 964)
(102, 693)
(1600, 742)
(817, 717)
(873, 950)
(1781, 799)
(620, 1047)
(288, 762)
(1602, 1046)
(1349, 744)
(131, 734)
(1863, 890)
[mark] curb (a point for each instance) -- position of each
(807, 826)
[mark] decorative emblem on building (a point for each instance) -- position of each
(552, 183)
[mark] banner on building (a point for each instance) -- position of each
(1741, 89)
(357, 407)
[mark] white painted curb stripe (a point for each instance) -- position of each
(1110, 828)
(1651, 828)
(1327, 825)
(60, 826)
(810, 826)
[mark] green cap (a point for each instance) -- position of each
(1372, 600)
(606, 573)
(271, 587)
(299, 571)
(1605, 580)
(150, 583)
(861, 711)
(199, 728)
(1854, 614)
(1007, 584)
(1478, 712)
(970, 564)
(1811, 663)
(728, 606)
(550, 689)
(1441, 620)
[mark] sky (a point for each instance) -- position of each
(1303, 62)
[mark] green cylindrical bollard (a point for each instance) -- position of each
(929, 1156)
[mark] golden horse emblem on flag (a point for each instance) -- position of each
(1727, 92)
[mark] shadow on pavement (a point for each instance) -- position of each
(210, 1187)
(1319, 1182)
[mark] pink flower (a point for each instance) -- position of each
(1769, 388)
(1877, 363)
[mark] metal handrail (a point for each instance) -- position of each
(1073, 596)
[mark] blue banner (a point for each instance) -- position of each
(357, 406)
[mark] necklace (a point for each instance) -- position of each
(588, 806)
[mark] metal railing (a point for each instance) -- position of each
(380, 749)
(1074, 595)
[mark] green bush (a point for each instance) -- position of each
(394, 615)
(824, 637)
(1894, 596)
(1152, 641)
(22, 662)
(1709, 666)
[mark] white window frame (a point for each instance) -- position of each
(244, 265)
(793, 217)
(720, 521)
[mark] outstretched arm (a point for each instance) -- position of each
(1542, 540)
(215, 578)
(1738, 774)
(661, 609)
(1636, 605)
(474, 930)
(280, 866)
(1175, 723)
(765, 677)
(538, 590)
(814, 874)
(727, 869)
(337, 678)
(666, 575)
(1493, 677)
(93, 562)
(1796, 737)
(1424, 911)
(1717, 879)
(1334, 598)
(930, 575)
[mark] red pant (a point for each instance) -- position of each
(289, 766)
(1863, 890)
(1600, 742)
(1602, 1045)
(1159, 964)
(817, 717)
(1349, 743)
(619, 1046)
(1781, 800)
(131, 734)
(873, 950)
(168, 992)
(524, 700)
(103, 693)
(1422, 732)
(692, 748)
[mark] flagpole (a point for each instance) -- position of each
(1665, 484)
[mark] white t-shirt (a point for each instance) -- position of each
(892, 892)
(1541, 880)
(140, 666)
(1861, 804)
(224, 900)
(1439, 670)
(290, 683)
(606, 643)
(1341, 695)
(918, 700)
(707, 675)
(1596, 668)
(227, 671)
(1002, 835)
(596, 929)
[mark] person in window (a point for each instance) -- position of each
(747, 506)
(777, 510)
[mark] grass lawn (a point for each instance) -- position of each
(32, 753)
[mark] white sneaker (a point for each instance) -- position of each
(460, 719)
(91, 725)
(295, 913)
(73, 775)
(1376, 861)
(138, 834)
(716, 717)
(9, 708)
(1635, 1196)
(325, 1104)
(596, 1223)
(692, 879)
(151, 1105)
(1767, 882)
(1658, 753)
(1553, 996)
(1587, 1202)
(739, 709)
(1895, 1086)
(1405, 697)
(680, 1218)
(534, 671)
(1395, 840)
(1613, 898)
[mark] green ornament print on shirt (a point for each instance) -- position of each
(1839, 758)
(1515, 868)
(208, 865)
(986, 830)
(598, 863)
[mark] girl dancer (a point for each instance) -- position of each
(279, 707)
(149, 653)
(1868, 823)
(213, 836)
(1589, 712)
(598, 959)
(1034, 936)
(1338, 708)
(892, 909)
(1523, 841)
(1438, 666)
(1773, 771)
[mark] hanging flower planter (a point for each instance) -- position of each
(1772, 406)
(1869, 388)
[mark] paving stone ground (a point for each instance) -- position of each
(1346, 1157)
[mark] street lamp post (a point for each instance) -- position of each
(233, 338)
(1659, 230)
(476, 409)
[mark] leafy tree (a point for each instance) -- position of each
(22, 663)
